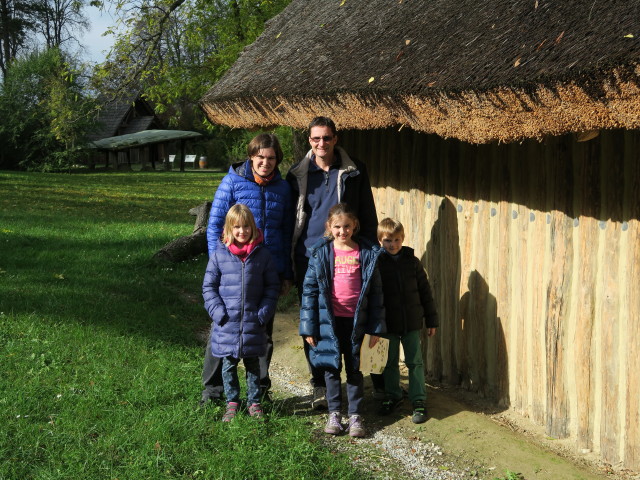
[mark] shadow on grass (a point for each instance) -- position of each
(108, 283)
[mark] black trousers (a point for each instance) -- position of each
(212, 369)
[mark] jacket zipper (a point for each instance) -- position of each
(264, 203)
(241, 309)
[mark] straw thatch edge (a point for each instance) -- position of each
(505, 114)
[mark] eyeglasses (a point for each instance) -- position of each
(326, 138)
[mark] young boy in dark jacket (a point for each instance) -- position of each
(410, 307)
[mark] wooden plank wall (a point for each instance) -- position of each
(533, 251)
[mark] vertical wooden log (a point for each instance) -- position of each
(468, 328)
(517, 237)
(442, 252)
(557, 294)
(450, 250)
(631, 215)
(501, 189)
(587, 161)
(611, 208)
(482, 252)
(494, 274)
(536, 172)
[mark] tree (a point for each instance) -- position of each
(43, 112)
(174, 50)
(16, 21)
(57, 20)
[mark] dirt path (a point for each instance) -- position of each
(461, 439)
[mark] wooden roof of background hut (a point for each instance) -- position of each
(129, 113)
(478, 71)
(139, 139)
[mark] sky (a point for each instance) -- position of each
(95, 44)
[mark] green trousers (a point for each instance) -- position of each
(412, 359)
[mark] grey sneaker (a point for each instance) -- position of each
(334, 424)
(255, 411)
(356, 426)
(232, 411)
(319, 401)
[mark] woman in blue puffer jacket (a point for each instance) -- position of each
(240, 291)
(256, 183)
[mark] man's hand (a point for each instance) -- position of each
(311, 341)
(373, 340)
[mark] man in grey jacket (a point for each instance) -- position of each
(327, 175)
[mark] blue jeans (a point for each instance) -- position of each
(355, 382)
(232, 384)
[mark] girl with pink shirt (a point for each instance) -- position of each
(341, 302)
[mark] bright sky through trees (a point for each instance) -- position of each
(96, 46)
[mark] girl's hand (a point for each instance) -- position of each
(373, 340)
(431, 332)
(311, 341)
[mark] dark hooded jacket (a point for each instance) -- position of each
(408, 300)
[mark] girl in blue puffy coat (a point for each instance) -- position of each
(240, 291)
(256, 183)
(341, 302)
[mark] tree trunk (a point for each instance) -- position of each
(189, 246)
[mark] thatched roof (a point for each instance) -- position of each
(477, 70)
(129, 113)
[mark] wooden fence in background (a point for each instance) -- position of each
(533, 251)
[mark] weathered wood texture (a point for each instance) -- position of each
(533, 252)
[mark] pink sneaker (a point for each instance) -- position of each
(255, 411)
(232, 411)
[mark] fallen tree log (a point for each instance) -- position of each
(189, 246)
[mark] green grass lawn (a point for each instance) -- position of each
(99, 359)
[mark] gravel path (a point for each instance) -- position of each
(383, 455)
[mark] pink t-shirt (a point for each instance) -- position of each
(347, 282)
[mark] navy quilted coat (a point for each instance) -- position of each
(270, 204)
(240, 297)
(316, 311)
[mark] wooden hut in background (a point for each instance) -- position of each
(126, 115)
(470, 116)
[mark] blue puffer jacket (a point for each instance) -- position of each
(240, 297)
(316, 311)
(270, 204)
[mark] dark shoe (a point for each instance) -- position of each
(265, 397)
(378, 394)
(232, 411)
(388, 406)
(319, 401)
(206, 398)
(419, 413)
